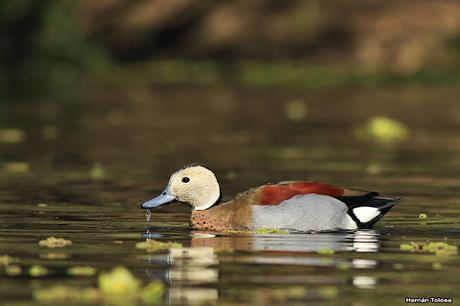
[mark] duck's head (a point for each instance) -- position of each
(194, 185)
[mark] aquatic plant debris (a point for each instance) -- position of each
(97, 171)
(154, 245)
(37, 271)
(383, 130)
(264, 231)
(5, 260)
(12, 135)
(53, 255)
(296, 110)
(325, 251)
(50, 132)
(13, 270)
(422, 216)
(119, 281)
(81, 271)
(17, 167)
(53, 242)
(118, 287)
(439, 248)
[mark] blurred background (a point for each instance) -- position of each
(308, 43)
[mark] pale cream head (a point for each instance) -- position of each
(196, 186)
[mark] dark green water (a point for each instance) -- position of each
(94, 153)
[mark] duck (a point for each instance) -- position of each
(292, 206)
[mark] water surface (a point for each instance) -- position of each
(92, 154)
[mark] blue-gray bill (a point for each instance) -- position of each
(164, 198)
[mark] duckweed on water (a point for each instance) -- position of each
(97, 171)
(438, 248)
(13, 270)
(12, 135)
(117, 287)
(296, 110)
(422, 216)
(237, 232)
(383, 129)
(64, 293)
(264, 231)
(155, 245)
(53, 242)
(81, 271)
(119, 282)
(325, 251)
(5, 260)
(17, 167)
(37, 271)
(53, 255)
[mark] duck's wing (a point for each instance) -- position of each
(274, 194)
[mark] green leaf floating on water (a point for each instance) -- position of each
(439, 248)
(117, 287)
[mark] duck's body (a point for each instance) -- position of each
(292, 206)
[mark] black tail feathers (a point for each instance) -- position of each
(368, 213)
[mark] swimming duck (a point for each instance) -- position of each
(291, 206)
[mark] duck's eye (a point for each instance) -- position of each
(185, 179)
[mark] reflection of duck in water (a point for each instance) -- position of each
(193, 271)
(357, 241)
(293, 206)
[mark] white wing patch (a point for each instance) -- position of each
(365, 213)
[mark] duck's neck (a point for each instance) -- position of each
(232, 215)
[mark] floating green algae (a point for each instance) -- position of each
(259, 231)
(12, 135)
(296, 110)
(37, 271)
(238, 232)
(50, 132)
(438, 248)
(5, 260)
(65, 293)
(53, 242)
(422, 216)
(53, 255)
(81, 271)
(154, 245)
(118, 286)
(97, 171)
(264, 231)
(383, 130)
(17, 167)
(118, 281)
(13, 270)
(325, 251)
